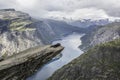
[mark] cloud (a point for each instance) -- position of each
(66, 8)
(84, 13)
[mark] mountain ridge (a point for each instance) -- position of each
(100, 35)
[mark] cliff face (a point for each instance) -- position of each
(101, 34)
(98, 63)
(22, 44)
(18, 31)
(25, 63)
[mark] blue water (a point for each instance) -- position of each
(70, 52)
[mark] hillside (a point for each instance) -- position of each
(62, 28)
(101, 34)
(99, 63)
(19, 31)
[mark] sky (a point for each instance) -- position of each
(70, 9)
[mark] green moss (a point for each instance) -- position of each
(19, 25)
(5, 55)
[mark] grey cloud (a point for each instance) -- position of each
(111, 7)
(42, 8)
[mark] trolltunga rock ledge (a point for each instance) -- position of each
(25, 63)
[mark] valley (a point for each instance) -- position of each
(71, 51)
(49, 49)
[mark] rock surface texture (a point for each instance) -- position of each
(18, 32)
(25, 63)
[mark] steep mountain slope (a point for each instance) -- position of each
(18, 31)
(101, 34)
(98, 63)
(61, 28)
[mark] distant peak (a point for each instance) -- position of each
(10, 9)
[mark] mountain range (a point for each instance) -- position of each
(25, 41)
(19, 31)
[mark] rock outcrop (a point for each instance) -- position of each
(99, 63)
(25, 63)
(19, 31)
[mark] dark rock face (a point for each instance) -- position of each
(56, 45)
(3, 26)
(7, 9)
(25, 63)
(98, 63)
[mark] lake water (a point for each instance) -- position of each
(70, 52)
